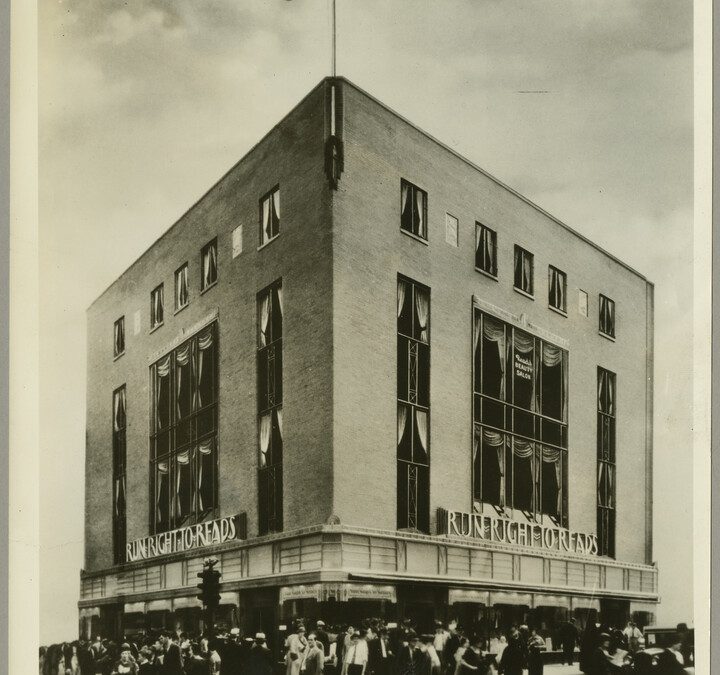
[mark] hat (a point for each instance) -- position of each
(234, 631)
(411, 635)
(604, 636)
(426, 638)
(124, 647)
(248, 639)
(259, 636)
(320, 622)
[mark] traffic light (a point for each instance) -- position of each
(209, 585)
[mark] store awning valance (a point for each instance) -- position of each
(643, 606)
(369, 592)
(510, 598)
(542, 600)
(87, 612)
(164, 605)
(586, 603)
(230, 598)
(300, 592)
(134, 608)
(468, 595)
(341, 592)
(186, 602)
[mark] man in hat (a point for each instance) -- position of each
(322, 637)
(601, 659)
(512, 661)
(259, 661)
(409, 656)
(430, 663)
(568, 634)
(633, 637)
(356, 656)
(380, 656)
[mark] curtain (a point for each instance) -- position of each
(205, 341)
(182, 359)
(479, 239)
(477, 325)
(527, 272)
(204, 449)
(279, 292)
(402, 288)
(524, 343)
(422, 424)
(610, 384)
(119, 337)
(404, 198)
(558, 478)
(266, 219)
(420, 202)
(183, 466)
(158, 306)
(564, 392)
(551, 355)
(522, 449)
(209, 265)
(279, 418)
(265, 428)
(264, 318)
(182, 288)
(162, 475)
(422, 304)
(610, 473)
(601, 483)
(276, 205)
(119, 413)
(494, 331)
(401, 421)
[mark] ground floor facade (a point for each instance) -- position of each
(343, 574)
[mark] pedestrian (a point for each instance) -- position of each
(588, 644)
(259, 660)
(172, 658)
(380, 655)
(462, 647)
(471, 660)
(409, 656)
(146, 665)
(600, 662)
(126, 664)
(513, 659)
(633, 637)
(296, 648)
(536, 647)
(194, 663)
(356, 656)
(314, 661)
(431, 661)
(322, 636)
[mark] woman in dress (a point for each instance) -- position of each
(296, 645)
(464, 644)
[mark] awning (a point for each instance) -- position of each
(159, 605)
(230, 598)
(369, 592)
(586, 603)
(300, 592)
(510, 598)
(643, 606)
(134, 608)
(184, 603)
(340, 592)
(87, 612)
(468, 595)
(542, 600)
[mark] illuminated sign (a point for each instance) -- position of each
(505, 531)
(186, 538)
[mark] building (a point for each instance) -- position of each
(371, 380)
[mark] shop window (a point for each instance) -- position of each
(520, 418)
(182, 295)
(157, 307)
(183, 440)
(270, 216)
(606, 463)
(557, 287)
(209, 265)
(486, 249)
(523, 270)
(413, 406)
(119, 475)
(413, 209)
(607, 316)
(269, 405)
(119, 337)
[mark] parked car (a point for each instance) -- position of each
(669, 650)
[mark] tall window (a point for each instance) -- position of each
(557, 286)
(485, 249)
(606, 462)
(523, 270)
(413, 406)
(157, 307)
(607, 316)
(270, 216)
(208, 260)
(270, 414)
(413, 209)
(119, 475)
(182, 295)
(520, 420)
(451, 230)
(119, 337)
(183, 439)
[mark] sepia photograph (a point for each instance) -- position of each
(366, 338)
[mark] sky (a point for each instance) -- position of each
(144, 104)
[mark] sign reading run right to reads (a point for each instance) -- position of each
(505, 531)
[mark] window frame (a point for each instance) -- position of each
(269, 197)
(607, 461)
(608, 314)
(119, 323)
(182, 269)
(413, 190)
(563, 277)
(481, 228)
(522, 253)
(205, 285)
(159, 290)
(119, 472)
(448, 218)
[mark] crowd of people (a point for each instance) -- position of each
(372, 647)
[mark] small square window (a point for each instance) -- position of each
(486, 249)
(451, 230)
(270, 216)
(182, 294)
(208, 258)
(524, 270)
(157, 307)
(119, 337)
(582, 302)
(557, 285)
(237, 241)
(607, 316)
(413, 209)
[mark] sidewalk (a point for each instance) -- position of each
(559, 669)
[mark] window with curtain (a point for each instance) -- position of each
(451, 230)
(413, 405)
(119, 337)
(523, 270)
(413, 209)
(485, 249)
(182, 294)
(519, 458)
(208, 264)
(157, 307)
(607, 316)
(606, 462)
(582, 302)
(183, 439)
(270, 216)
(269, 406)
(119, 475)
(557, 287)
